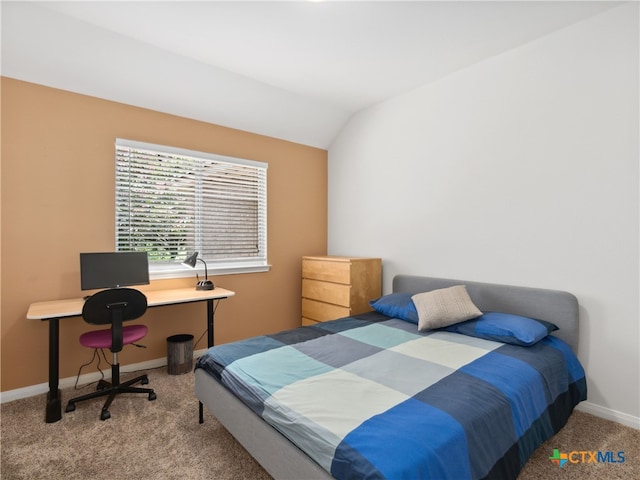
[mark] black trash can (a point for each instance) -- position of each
(179, 354)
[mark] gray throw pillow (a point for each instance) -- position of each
(444, 307)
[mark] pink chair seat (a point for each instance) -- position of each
(102, 338)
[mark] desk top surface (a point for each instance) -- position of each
(73, 306)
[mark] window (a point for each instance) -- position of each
(171, 202)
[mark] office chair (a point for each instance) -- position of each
(113, 306)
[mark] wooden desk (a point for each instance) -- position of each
(55, 310)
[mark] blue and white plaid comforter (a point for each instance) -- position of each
(371, 397)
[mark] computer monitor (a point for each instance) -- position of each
(113, 269)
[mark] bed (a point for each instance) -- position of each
(372, 396)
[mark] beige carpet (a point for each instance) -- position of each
(162, 439)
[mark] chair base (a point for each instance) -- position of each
(110, 390)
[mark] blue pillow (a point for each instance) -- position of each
(505, 328)
(396, 305)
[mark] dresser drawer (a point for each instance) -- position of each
(328, 271)
(322, 312)
(328, 292)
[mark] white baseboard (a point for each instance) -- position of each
(609, 414)
(40, 388)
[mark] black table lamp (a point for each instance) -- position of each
(205, 284)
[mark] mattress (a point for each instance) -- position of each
(371, 397)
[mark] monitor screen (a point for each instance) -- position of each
(113, 269)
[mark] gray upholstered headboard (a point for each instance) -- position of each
(554, 306)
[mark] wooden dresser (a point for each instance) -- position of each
(335, 287)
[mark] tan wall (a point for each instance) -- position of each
(58, 200)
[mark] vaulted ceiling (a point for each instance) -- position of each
(292, 70)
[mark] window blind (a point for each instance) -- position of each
(171, 202)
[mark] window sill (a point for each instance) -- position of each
(164, 273)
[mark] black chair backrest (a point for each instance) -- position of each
(114, 306)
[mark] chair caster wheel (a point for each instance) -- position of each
(144, 381)
(105, 415)
(152, 396)
(70, 407)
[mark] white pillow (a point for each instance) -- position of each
(444, 307)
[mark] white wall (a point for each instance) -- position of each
(522, 169)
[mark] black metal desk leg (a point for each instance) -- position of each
(210, 311)
(54, 404)
(210, 323)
